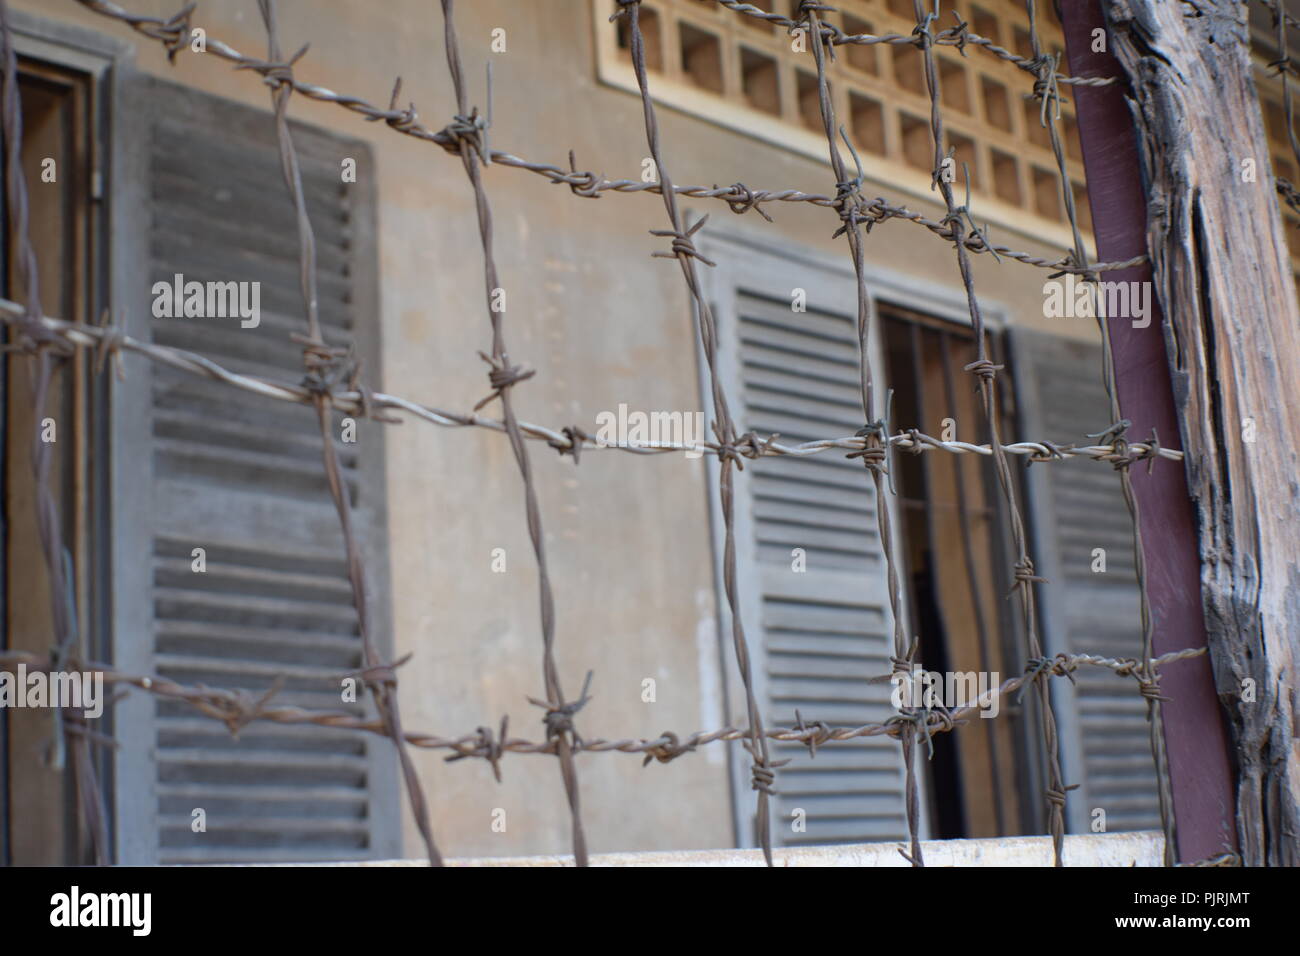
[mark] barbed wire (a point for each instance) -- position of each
(240, 708)
(323, 365)
(174, 34)
(958, 35)
(107, 340)
(333, 385)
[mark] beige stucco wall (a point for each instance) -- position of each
(602, 323)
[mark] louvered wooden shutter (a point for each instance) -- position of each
(1088, 612)
(824, 631)
(241, 477)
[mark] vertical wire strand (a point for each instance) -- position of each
(317, 357)
(905, 652)
(986, 373)
(559, 710)
(762, 767)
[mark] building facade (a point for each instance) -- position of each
(172, 169)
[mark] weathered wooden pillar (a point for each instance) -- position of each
(1201, 773)
(1232, 336)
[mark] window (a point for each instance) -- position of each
(57, 106)
(954, 565)
(241, 478)
(815, 605)
(205, 543)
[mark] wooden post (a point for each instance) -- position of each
(1232, 337)
(1201, 775)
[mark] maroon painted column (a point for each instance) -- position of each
(1200, 765)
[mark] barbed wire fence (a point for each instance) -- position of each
(332, 382)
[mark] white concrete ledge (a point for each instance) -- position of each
(1143, 848)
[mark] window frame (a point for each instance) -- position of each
(760, 265)
(95, 62)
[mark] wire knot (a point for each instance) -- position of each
(875, 446)
(276, 74)
(814, 736)
(1152, 451)
(1051, 452)
(1024, 575)
(762, 778)
(683, 245)
(957, 36)
(1149, 687)
(748, 445)
(236, 709)
(1037, 666)
(111, 340)
(902, 666)
(575, 437)
(860, 212)
(491, 747)
(919, 440)
(984, 369)
(586, 185)
(469, 131)
(380, 676)
(668, 751)
(928, 720)
(1118, 455)
(1076, 265)
(559, 714)
(502, 375)
(174, 33)
(1127, 666)
(404, 121)
(32, 333)
(746, 200)
(1056, 797)
(1046, 88)
(922, 32)
(326, 366)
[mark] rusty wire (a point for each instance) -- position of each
(875, 453)
(319, 361)
(1122, 461)
(107, 339)
(683, 250)
(240, 708)
(327, 368)
(469, 128)
(985, 372)
(173, 33)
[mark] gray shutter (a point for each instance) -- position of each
(1081, 508)
(241, 476)
(827, 630)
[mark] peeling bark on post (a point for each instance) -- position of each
(1232, 334)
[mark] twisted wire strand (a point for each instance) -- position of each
(173, 34)
(240, 708)
(381, 679)
(352, 401)
(471, 143)
(466, 137)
